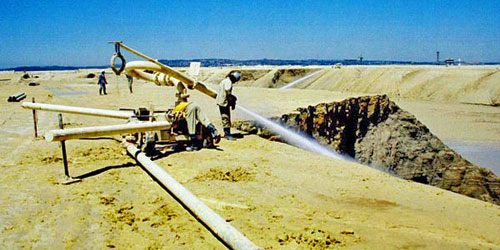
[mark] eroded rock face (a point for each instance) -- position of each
(375, 131)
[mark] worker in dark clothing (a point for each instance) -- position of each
(130, 80)
(102, 83)
(226, 100)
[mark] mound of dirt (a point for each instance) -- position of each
(284, 76)
(230, 175)
(313, 239)
(252, 75)
(375, 131)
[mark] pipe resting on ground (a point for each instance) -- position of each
(229, 235)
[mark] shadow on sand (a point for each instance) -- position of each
(157, 155)
(104, 169)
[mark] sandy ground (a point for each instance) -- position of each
(277, 195)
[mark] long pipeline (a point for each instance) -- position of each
(230, 236)
(78, 110)
(97, 131)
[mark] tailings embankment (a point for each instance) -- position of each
(455, 84)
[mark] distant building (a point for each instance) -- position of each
(350, 61)
(449, 61)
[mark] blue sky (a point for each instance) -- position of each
(76, 32)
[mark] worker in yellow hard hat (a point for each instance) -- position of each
(193, 114)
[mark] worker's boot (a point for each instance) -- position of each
(213, 131)
(227, 134)
(194, 143)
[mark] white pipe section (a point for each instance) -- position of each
(136, 69)
(164, 76)
(89, 132)
(230, 235)
(78, 110)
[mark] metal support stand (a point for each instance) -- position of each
(68, 179)
(35, 120)
(63, 146)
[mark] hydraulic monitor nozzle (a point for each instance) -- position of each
(162, 75)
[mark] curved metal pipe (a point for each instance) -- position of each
(164, 75)
(137, 68)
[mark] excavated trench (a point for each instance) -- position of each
(377, 132)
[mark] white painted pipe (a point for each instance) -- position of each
(89, 132)
(228, 234)
(78, 110)
(164, 68)
(162, 76)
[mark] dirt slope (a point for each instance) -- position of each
(377, 132)
(472, 85)
(465, 84)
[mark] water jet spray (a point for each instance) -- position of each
(291, 136)
(291, 84)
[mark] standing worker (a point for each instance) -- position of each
(225, 99)
(102, 83)
(130, 80)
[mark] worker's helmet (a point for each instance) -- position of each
(235, 76)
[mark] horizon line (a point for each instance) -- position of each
(352, 61)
